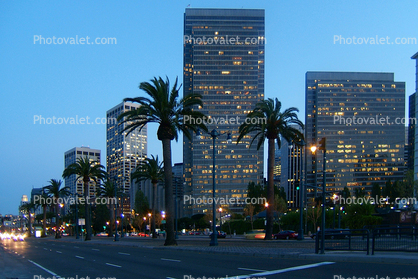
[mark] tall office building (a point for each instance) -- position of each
(415, 147)
(360, 115)
(223, 62)
(123, 152)
(411, 132)
(291, 171)
(70, 157)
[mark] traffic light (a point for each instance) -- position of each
(297, 188)
(322, 144)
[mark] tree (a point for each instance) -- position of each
(28, 208)
(280, 206)
(256, 191)
(164, 108)
(249, 211)
(107, 190)
(359, 192)
(41, 200)
(55, 191)
(150, 169)
(346, 193)
(88, 171)
(314, 211)
(376, 190)
(141, 203)
(266, 121)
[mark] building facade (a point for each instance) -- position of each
(411, 132)
(70, 157)
(356, 113)
(291, 171)
(415, 147)
(123, 152)
(224, 63)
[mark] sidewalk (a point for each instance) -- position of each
(256, 248)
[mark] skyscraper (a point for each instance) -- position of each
(415, 145)
(124, 152)
(291, 171)
(70, 157)
(223, 62)
(361, 115)
(411, 132)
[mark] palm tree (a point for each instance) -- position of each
(42, 201)
(150, 169)
(55, 191)
(87, 171)
(28, 207)
(267, 121)
(164, 108)
(107, 190)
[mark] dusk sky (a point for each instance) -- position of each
(74, 80)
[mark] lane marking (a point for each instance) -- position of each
(170, 260)
(45, 269)
(124, 253)
(115, 265)
(59, 252)
(251, 269)
(45, 249)
(94, 249)
(283, 270)
(76, 247)
(80, 257)
(171, 278)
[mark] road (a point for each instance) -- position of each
(43, 258)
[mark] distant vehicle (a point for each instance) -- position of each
(18, 237)
(194, 233)
(64, 234)
(220, 234)
(286, 235)
(102, 234)
(334, 234)
(143, 234)
(256, 234)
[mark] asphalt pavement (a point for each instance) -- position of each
(134, 257)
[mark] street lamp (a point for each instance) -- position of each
(214, 134)
(149, 215)
(220, 217)
(322, 147)
(121, 226)
(116, 207)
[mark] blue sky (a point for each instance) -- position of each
(86, 80)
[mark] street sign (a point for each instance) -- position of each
(81, 222)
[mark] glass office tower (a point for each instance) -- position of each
(223, 62)
(361, 115)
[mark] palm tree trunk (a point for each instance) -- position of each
(30, 225)
(44, 221)
(154, 204)
(270, 189)
(169, 200)
(111, 221)
(87, 210)
(57, 223)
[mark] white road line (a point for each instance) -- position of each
(170, 260)
(115, 265)
(45, 249)
(47, 270)
(124, 253)
(171, 278)
(80, 257)
(251, 269)
(283, 270)
(94, 249)
(59, 252)
(76, 247)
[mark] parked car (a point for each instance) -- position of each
(256, 234)
(334, 234)
(286, 235)
(220, 234)
(102, 234)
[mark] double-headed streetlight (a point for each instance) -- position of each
(214, 134)
(322, 146)
(116, 208)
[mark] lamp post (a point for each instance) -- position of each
(76, 217)
(116, 208)
(214, 134)
(322, 147)
(121, 225)
(149, 215)
(220, 217)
